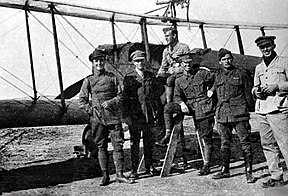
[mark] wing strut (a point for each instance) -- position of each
(30, 54)
(241, 49)
(57, 58)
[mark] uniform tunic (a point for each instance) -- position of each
(170, 55)
(233, 94)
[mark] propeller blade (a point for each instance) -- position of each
(72, 90)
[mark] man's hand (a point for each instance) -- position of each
(259, 94)
(184, 107)
(209, 93)
(270, 88)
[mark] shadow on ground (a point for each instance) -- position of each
(75, 169)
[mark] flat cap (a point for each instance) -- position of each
(137, 55)
(96, 54)
(264, 40)
(190, 57)
(222, 52)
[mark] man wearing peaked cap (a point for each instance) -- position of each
(140, 107)
(232, 112)
(271, 93)
(190, 98)
(171, 52)
(104, 113)
(138, 55)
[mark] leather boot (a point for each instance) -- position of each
(106, 179)
(225, 171)
(123, 179)
(248, 168)
(205, 170)
(134, 160)
(165, 139)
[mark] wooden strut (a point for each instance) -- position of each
(114, 40)
(262, 31)
(145, 39)
(58, 58)
(203, 36)
(30, 55)
(241, 49)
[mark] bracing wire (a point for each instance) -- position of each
(76, 30)
(153, 33)
(228, 38)
(71, 39)
(122, 33)
(16, 27)
(61, 42)
(25, 84)
(8, 18)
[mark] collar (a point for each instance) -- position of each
(269, 59)
(140, 73)
(174, 46)
(99, 73)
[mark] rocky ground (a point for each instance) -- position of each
(40, 161)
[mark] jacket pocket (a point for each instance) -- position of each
(203, 107)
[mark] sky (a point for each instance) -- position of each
(16, 82)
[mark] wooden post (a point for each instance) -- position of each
(114, 40)
(203, 36)
(241, 49)
(57, 57)
(262, 31)
(30, 55)
(145, 39)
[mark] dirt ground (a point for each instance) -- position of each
(40, 161)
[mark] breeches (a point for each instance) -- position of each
(243, 130)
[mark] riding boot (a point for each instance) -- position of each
(225, 170)
(205, 170)
(103, 161)
(248, 168)
(134, 159)
(106, 179)
(123, 179)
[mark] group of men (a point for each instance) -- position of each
(191, 90)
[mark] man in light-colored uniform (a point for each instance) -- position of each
(271, 92)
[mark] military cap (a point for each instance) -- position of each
(190, 57)
(165, 30)
(264, 40)
(222, 52)
(137, 55)
(96, 54)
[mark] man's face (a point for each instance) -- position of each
(99, 63)
(267, 49)
(170, 37)
(226, 61)
(140, 64)
(189, 66)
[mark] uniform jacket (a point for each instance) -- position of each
(233, 95)
(140, 97)
(275, 73)
(192, 89)
(101, 87)
(170, 55)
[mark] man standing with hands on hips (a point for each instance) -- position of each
(271, 93)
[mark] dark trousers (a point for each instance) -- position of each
(203, 126)
(148, 143)
(243, 130)
(100, 134)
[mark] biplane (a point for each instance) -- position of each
(41, 110)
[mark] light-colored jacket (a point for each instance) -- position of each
(275, 73)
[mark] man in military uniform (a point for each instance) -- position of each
(140, 110)
(190, 98)
(105, 117)
(232, 111)
(271, 92)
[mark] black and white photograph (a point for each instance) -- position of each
(146, 97)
